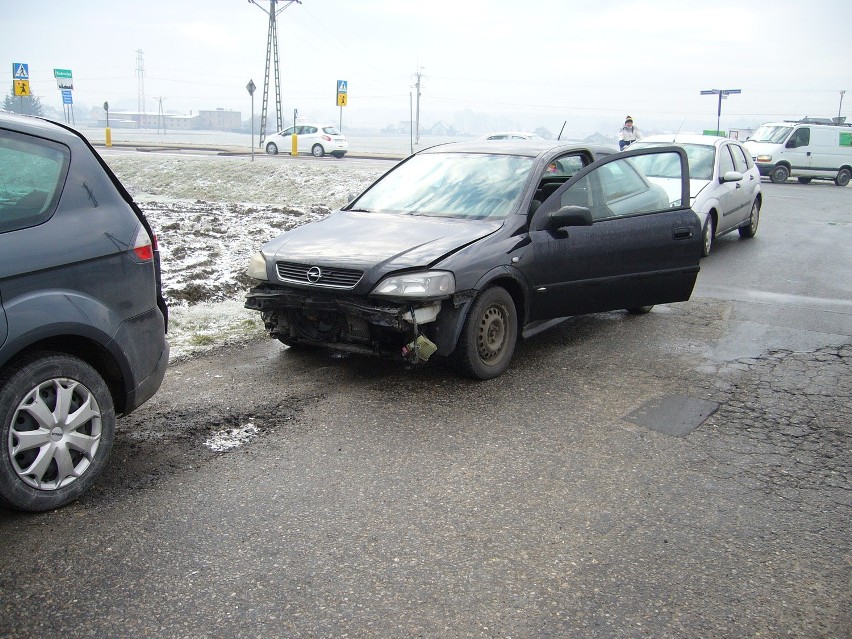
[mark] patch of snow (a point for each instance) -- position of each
(211, 214)
(228, 439)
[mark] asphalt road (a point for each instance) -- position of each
(379, 501)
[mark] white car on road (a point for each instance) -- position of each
(316, 139)
(724, 183)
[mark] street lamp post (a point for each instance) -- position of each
(722, 93)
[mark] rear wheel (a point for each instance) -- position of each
(56, 432)
(708, 236)
(804, 180)
(751, 229)
(338, 154)
(487, 341)
(272, 148)
(842, 178)
(318, 151)
(779, 174)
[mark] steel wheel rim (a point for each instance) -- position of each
(755, 216)
(55, 434)
(491, 334)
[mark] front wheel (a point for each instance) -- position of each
(751, 229)
(804, 180)
(58, 423)
(842, 178)
(487, 341)
(779, 174)
(272, 148)
(318, 151)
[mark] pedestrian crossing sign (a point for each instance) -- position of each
(20, 71)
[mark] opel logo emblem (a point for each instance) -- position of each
(314, 274)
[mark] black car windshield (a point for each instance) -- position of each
(463, 185)
(775, 134)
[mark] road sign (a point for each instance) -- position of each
(341, 99)
(250, 87)
(341, 86)
(64, 83)
(66, 97)
(62, 73)
(20, 71)
(22, 88)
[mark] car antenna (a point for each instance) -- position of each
(559, 137)
(679, 128)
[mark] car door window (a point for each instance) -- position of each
(739, 158)
(623, 187)
(287, 131)
(308, 130)
(726, 162)
(31, 176)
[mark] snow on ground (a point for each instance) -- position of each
(211, 214)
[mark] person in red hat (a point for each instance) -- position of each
(628, 134)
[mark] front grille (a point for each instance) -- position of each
(329, 277)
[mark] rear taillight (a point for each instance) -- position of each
(143, 247)
(326, 138)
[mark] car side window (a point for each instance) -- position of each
(726, 163)
(287, 131)
(740, 161)
(621, 188)
(307, 130)
(31, 176)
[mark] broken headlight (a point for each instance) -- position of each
(419, 285)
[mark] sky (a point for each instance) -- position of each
(484, 64)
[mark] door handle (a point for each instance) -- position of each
(683, 233)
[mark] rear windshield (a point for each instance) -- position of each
(330, 130)
(463, 185)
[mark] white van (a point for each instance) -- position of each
(807, 149)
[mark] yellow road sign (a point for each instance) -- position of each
(341, 99)
(22, 88)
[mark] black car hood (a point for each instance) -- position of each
(385, 241)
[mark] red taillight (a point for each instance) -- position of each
(326, 138)
(143, 247)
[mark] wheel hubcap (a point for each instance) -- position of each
(491, 337)
(55, 433)
(755, 216)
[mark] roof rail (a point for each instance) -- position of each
(836, 121)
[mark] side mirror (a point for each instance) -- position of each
(569, 216)
(731, 176)
(791, 144)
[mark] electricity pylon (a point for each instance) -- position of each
(272, 61)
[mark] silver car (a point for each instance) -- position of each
(724, 183)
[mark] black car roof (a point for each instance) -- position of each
(528, 148)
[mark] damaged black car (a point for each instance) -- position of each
(462, 249)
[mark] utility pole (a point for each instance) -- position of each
(272, 62)
(161, 116)
(140, 76)
(419, 76)
(722, 93)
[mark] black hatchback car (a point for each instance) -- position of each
(82, 317)
(461, 248)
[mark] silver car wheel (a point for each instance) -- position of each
(55, 434)
(754, 220)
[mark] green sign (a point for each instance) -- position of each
(62, 73)
(845, 139)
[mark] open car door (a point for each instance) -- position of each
(619, 234)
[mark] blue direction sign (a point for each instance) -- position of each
(66, 96)
(20, 71)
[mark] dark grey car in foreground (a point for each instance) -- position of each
(82, 318)
(462, 248)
